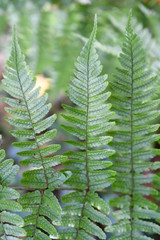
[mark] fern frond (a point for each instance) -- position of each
(88, 121)
(133, 89)
(10, 223)
(45, 209)
(118, 20)
(28, 114)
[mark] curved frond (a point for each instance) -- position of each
(28, 113)
(85, 212)
(133, 89)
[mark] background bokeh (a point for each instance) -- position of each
(51, 34)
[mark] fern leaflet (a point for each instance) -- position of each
(28, 114)
(133, 89)
(10, 223)
(88, 121)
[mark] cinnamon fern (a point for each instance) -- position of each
(34, 130)
(85, 213)
(133, 89)
(10, 223)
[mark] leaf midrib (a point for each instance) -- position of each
(131, 149)
(86, 140)
(30, 118)
(45, 174)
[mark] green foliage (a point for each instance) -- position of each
(88, 121)
(133, 89)
(36, 41)
(65, 47)
(25, 34)
(28, 114)
(10, 223)
(118, 21)
(45, 209)
(47, 36)
(45, 41)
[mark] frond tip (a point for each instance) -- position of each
(28, 114)
(89, 122)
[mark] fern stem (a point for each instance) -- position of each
(81, 215)
(131, 139)
(38, 213)
(87, 172)
(29, 114)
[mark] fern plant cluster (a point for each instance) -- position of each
(112, 138)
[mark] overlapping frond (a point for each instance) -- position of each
(28, 114)
(133, 89)
(85, 212)
(10, 223)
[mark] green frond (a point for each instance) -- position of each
(34, 130)
(88, 122)
(28, 114)
(133, 89)
(44, 209)
(11, 224)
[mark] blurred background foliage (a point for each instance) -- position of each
(52, 32)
